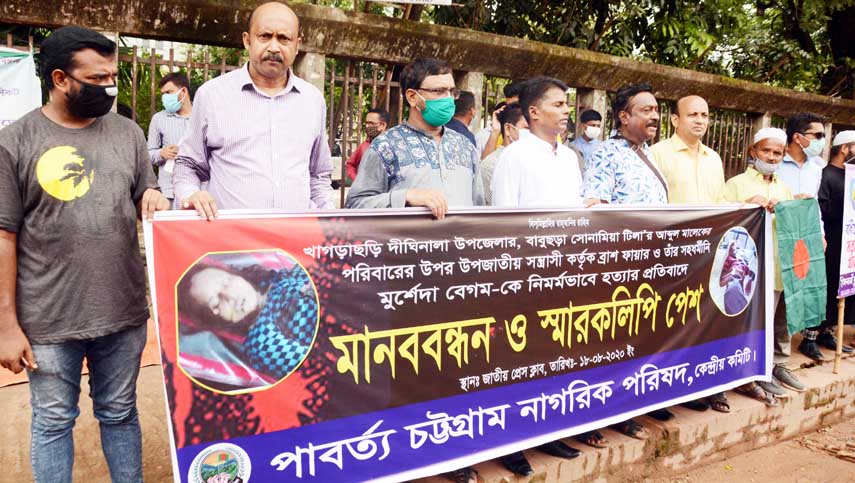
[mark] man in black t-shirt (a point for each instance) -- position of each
(74, 178)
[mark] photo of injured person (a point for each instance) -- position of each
(734, 273)
(245, 320)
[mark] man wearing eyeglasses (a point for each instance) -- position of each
(420, 162)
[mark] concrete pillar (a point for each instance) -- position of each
(310, 67)
(591, 99)
(760, 120)
(474, 83)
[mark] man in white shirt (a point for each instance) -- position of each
(537, 170)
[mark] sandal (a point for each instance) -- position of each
(632, 429)
(718, 402)
(754, 391)
(466, 474)
(696, 405)
(594, 439)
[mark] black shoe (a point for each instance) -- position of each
(517, 464)
(696, 405)
(810, 349)
(661, 415)
(559, 450)
(829, 341)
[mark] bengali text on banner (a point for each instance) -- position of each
(383, 346)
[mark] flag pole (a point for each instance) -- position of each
(841, 309)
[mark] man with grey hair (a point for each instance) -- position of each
(760, 185)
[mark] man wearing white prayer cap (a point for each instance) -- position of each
(831, 199)
(759, 185)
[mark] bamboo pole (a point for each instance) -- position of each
(841, 313)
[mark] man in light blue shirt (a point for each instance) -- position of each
(589, 141)
(801, 169)
(167, 128)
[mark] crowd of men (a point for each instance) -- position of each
(75, 177)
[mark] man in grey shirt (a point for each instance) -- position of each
(420, 162)
(167, 128)
(74, 178)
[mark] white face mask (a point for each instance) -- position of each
(766, 168)
(592, 132)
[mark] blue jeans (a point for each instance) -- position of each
(114, 364)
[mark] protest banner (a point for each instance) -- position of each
(847, 245)
(386, 345)
(20, 89)
(846, 278)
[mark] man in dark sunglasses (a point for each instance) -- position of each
(801, 171)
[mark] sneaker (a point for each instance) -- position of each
(829, 341)
(772, 388)
(810, 349)
(785, 377)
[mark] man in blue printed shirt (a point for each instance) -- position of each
(420, 162)
(621, 171)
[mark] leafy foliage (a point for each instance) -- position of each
(800, 44)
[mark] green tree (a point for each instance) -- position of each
(800, 44)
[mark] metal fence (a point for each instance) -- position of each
(352, 87)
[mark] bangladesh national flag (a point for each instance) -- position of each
(802, 260)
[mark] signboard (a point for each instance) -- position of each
(20, 90)
(385, 346)
(847, 242)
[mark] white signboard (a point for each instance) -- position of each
(20, 90)
(847, 243)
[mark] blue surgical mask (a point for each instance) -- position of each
(171, 102)
(815, 148)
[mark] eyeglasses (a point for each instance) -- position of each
(442, 91)
(816, 135)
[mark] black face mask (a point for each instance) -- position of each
(91, 100)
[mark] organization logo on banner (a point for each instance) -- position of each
(220, 463)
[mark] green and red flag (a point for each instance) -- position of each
(802, 259)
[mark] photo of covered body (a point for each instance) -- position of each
(245, 320)
(734, 274)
